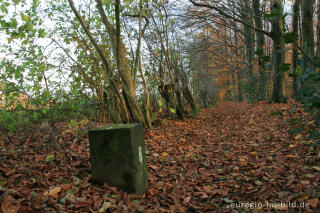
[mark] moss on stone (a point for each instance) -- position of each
(117, 155)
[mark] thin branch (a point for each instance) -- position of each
(221, 12)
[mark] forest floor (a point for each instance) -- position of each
(235, 157)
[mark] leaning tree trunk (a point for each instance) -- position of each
(124, 68)
(122, 62)
(279, 92)
(146, 89)
(295, 52)
(167, 93)
(119, 51)
(180, 106)
(186, 91)
(260, 42)
(112, 104)
(307, 39)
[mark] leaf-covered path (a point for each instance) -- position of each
(236, 153)
(236, 157)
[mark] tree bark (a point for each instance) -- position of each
(105, 60)
(249, 43)
(122, 62)
(276, 34)
(146, 89)
(295, 51)
(260, 43)
(307, 39)
(279, 92)
(318, 32)
(186, 91)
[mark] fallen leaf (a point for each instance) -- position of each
(258, 183)
(305, 182)
(227, 200)
(283, 194)
(83, 203)
(202, 171)
(298, 136)
(154, 167)
(310, 176)
(164, 154)
(9, 205)
(66, 187)
(36, 201)
(49, 158)
(105, 206)
(186, 200)
(155, 155)
(280, 206)
(54, 191)
(313, 202)
(316, 168)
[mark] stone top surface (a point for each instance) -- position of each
(116, 126)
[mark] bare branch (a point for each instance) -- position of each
(230, 17)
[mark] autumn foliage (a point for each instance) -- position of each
(234, 153)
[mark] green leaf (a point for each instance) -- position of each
(13, 23)
(41, 33)
(227, 200)
(34, 194)
(290, 37)
(16, 2)
(259, 52)
(266, 58)
(172, 110)
(136, 202)
(4, 9)
(24, 17)
(296, 130)
(160, 103)
(50, 158)
(70, 192)
(275, 12)
(26, 41)
(10, 40)
(285, 67)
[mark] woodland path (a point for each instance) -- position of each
(230, 154)
(235, 153)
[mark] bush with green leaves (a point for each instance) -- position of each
(8, 122)
(310, 97)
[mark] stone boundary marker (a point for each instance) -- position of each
(117, 156)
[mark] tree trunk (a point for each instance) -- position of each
(122, 62)
(249, 43)
(260, 42)
(318, 32)
(167, 93)
(239, 76)
(295, 57)
(124, 69)
(146, 89)
(307, 32)
(112, 104)
(186, 91)
(278, 93)
(180, 106)
(307, 39)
